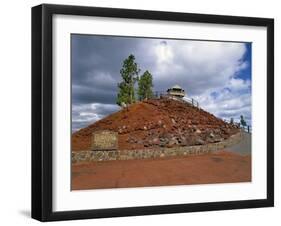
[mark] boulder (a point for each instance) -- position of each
(146, 144)
(211, 135)
(156, 141)
(199, 141)
(218, 139)
(182, 141)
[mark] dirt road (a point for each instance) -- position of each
(220, 167)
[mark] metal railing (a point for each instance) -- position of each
(247, 128)
(191, 101)
(162, 94)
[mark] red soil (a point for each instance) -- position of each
(161, 122)
(220, 167)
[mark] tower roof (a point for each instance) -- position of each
(176, 87)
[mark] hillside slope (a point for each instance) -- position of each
(158, 123)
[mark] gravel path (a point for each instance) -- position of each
(221, 167)
(244, 147)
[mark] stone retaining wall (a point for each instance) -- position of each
(88, 155)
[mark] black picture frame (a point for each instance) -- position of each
(42, 111)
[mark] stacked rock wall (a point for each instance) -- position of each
(109, 155)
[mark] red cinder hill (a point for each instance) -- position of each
(158, 123)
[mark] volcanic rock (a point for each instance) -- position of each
(158, 123)
(199, 141)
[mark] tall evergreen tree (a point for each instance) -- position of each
(129, 74)
(242, 121)
(145, 86)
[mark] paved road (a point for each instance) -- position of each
(244, 147)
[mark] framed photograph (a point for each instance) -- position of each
(145, 112)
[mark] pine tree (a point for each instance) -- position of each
(242, 121)
(145, 86)
(129, 74)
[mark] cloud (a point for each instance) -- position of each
(197, 65)
(210, 72)
(227, 103)
(85, 114)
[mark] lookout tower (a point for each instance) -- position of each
(176, 91)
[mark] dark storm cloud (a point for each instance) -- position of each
(83, 94)
(96, 64)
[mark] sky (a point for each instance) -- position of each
(216, 74)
